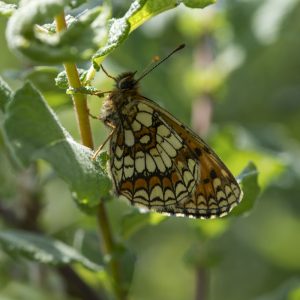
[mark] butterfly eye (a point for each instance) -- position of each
(126, 81)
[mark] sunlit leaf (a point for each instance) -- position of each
(139, 12)
(7, 9)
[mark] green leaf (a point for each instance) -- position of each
(61, 79)
(78, 42)
(249, 182)
(33, 132)
(5, 94)
(127, 261)
(7, 10)
(197, 3)
(42, 249)
(139, 12)
(289, 290)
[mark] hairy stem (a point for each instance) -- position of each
(82, 113)
(79, 100)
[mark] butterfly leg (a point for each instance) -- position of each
(92, 116)
(102, 145)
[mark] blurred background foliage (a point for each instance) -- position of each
(238, 84)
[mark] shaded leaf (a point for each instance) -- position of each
(32, 132)
(249, 182)
(5, 94)
(127, 264)
(79, 41)
(289, 290)
(42, 249)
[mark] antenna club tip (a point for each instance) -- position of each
(181, 46)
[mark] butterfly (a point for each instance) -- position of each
(158, 163)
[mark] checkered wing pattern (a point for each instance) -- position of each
(158, 163)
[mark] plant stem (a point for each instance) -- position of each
(201, 284)
(79, 100)
(110, 250)
(81, 110)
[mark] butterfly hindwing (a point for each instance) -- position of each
(218, 191)
(158, 163)
(149, 161)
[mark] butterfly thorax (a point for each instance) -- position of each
(116, 105)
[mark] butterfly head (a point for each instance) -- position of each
(126, 81)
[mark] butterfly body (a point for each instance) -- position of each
(158, 163)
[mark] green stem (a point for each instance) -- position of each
(79, 100)
(81, 110)
(110, 250)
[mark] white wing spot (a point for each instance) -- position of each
(169, 149)
(143, 107)
(191, 165)
(163, 130)
(212, 201)
(145, 139)
(119, 151)
(180, 188)
(136, 126)
(129, 138)
(118, 162)
(144, 118)
(173, 140)
(231, 199)
(187, 177)
(201, 200)
(235, 189)
(156, 193)
(216, 183)
(118, 174)
(227, 190)
(159, 162)
(150, 164)
(140, 161)
(141, 193)
(166, 159)
(221, 195)
(128, 166)
(169, 195)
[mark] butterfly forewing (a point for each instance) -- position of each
(158, 163)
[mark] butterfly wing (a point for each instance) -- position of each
(158, 163)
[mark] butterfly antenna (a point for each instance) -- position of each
(160, 62)
(106, 73)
